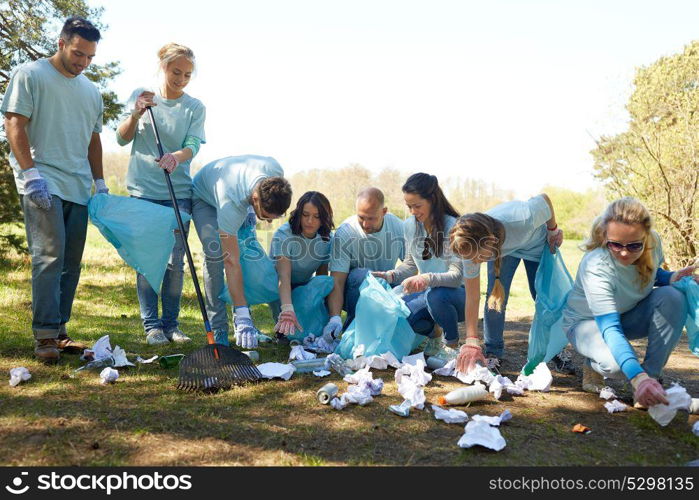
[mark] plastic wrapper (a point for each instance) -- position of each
(482, 434)
(18, 375)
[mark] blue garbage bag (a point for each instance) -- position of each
(690, 288)
(141, 231)
(380, 323)
(309, 305)
(260, 281)
(552, 283)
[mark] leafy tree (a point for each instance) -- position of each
(575, 211)
(29, 31)
(657, 158)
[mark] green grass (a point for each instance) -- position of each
(62, 418)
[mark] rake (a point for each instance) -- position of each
(214, 367)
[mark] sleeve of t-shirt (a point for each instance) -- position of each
(539, 211)
(470, 270)
(100, 117)
(196, 128)
(230, 218)
(275, 247)
(598, 284)
(18, 97)
(340, 257)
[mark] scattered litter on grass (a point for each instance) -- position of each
(695, 428)
(414, 359)
(319, 345)
(148, 361)
(450, 416)
(403, 409)
(677, 398)
(482, 434)
(276, 370)
(463, 395)
(581, 429)
(694, 406)
(102, 355)
(109, 376)
(539, 380)
(614, 406)
(299, 353)
(505, 416)
(336, 363)
(19, 374)
(308, 365)
(411, 380)
(607, 393)
(326, 393)
(321, 373)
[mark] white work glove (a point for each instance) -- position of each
(332, 330)
(36, 189)
(245, 331)
(143, 102)
(288, 323)
(554, 238)
(386, 275)
(101, 186)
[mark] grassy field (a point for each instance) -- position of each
(60, 419)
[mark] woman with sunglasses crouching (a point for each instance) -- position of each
(621, 293)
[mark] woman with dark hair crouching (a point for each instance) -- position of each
(301, 248)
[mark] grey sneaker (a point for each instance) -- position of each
(176, 335)
(434, 345)
(493, 363)
(156, 337)
(563, 363)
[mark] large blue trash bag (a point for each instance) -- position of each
(141, 231)
(690, 288)
(260, 281)
(309, 305)
(380, 323)
(552, 284)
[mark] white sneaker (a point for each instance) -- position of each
(156, 337)
(447, 353)
(434, 345)
(176, 335)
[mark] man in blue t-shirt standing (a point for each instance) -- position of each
(53, 118)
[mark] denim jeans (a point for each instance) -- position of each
(206, 224)
(660, 317)
(56, 239)
(441, 305)
(171, 289)
(493, 321)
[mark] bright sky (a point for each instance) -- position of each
(506, 91)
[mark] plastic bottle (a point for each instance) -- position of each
(435, 363)
(309, 365)
(465, 395)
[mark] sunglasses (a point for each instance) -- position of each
(630, 247)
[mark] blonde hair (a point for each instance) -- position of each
(478, 230)
(172, 51)
(627, 210)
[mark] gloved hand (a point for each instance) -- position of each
(386, 275)
(648, 391)
(687, 271)
(101, 186)
(168, 162)
(287, 322)
(36, 188)
(469, 355)
(245, 331)
(143, 101)
(554, 239)
(332, 330)
(415, 284)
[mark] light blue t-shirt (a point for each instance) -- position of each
(525, 230)
(352, 248)
(415, 241)
(227, 184)
(63, 114)
(306, 254)
(176, 119)
(603, 285)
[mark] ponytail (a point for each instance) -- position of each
(497, 294)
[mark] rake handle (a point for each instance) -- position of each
(180, 225)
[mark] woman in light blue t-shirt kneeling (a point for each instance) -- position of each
(621, 293)
(180, 121)
(301, 248)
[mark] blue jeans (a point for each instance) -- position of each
(441, 305)
(493, 321)
(171, 289)
(206, 224)
(56, 239)
(660, 317)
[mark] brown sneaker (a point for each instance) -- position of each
(592, 381)
(69, 346)
(46, 350)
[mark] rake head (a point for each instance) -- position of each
(216, 367)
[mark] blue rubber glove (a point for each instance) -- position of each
(332, 330)
(36, 189)
(245, 331)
